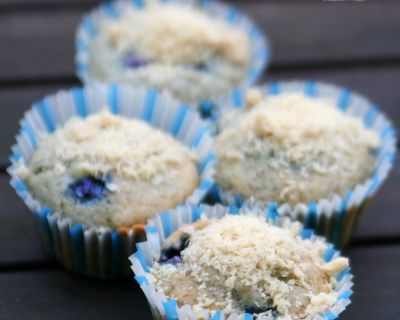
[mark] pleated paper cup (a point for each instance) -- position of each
(259, 47)
(337, 215)
(160, 227)
(98, 251)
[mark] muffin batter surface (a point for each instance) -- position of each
(243, 264)
(106, 170)
(292, 149)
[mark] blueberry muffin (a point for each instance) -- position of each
(173, 47)
(244, 264)
(110, 171)
(292, 148)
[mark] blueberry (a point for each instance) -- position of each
(88, 188)
(169, 253)
(253, 309)
(206, 109)
(172, 254)
(175, 260)
(135, 61)
(201, 66)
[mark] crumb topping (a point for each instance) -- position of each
(242, 263)
(290, 144)
(107, 170)
(176, 35)
(104, 143)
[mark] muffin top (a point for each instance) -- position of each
(293, 149)
(171, 47)
(173, 34)
(106, 170)
(244, 264)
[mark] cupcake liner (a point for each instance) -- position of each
(260, 52)
(99, 251)
(160, 227)
(334, 217)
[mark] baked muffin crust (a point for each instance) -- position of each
(292, 149)
(243, 264)
(110, 171)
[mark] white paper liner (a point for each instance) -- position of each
(334, 217)
(103, 252)
(160, 227)
(260, 51)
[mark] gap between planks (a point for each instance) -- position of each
(274, 69)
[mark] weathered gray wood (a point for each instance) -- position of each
(318, 36)
(322, 31)
(22, 4)
(37, 44)
(377, 285)
(40, 43)
(57, 294)
(19, 238)
(381, 218)
(61, 295)
(379, 84)
(14, 101)
(20, 242)
(380, 221)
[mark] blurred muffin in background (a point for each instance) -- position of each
(292, 148)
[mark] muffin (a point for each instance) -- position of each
(174, 47)
(246, 264)
(109, 171)
(292, 148)
(92, 177)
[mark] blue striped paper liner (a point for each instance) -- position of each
(159, 228)
(260, 50)
(339, 209)
(103, 252)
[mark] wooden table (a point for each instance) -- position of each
(354, 44)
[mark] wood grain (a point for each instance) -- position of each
(20, 242)
(14, 101)
(350, 43)
(379, 84)
(39, 44)
(61, 295)
(377, 285)
(57, 294)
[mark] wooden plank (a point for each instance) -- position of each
(62, 295)
(19, 238)
(324, 31)
(22, 4)
(37, 44)
(381, 219)
(20, 242)
(377, 285)
(313, 32)
(376, 83)
(14, 101)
